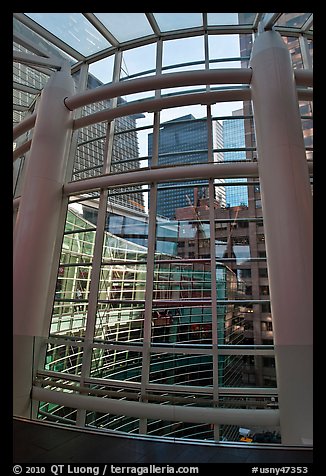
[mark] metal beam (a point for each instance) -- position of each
(24, 126)
(151, 20)
(307, 24)
(269, 19)
(155, 105)
(20, 107)
(23, 41)
(24, 88)
(26, 58)
(187, 78)
(303, 77)
(101, 29)
(222, 416)
(22, 149)
(256, 21)
(200, 171)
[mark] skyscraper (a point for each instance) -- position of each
(184, 141)
(233, 138)
(89, 155)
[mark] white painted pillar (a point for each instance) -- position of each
(36, 231)
(287, 211)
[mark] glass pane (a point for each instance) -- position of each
(125, 26)
(24, 74)
(138, 61)
(172, 197)
(293, 20)
(308, 132)
(240, 371)
(183, 139)
(102, 70)
(57, 413)
(117, 321)
(182, 50)
(64, 358)
(45, 45)
(116, 364)
(181, 323)
(222, 109)
(121, 292)
(111, 421)
(181, 369)
(295, 51)
(178, 21)
(89, 157)
(130, 144)
(238, 135)
(230, 18)
(223, 46)
(225, 51)
(74, 29)
(127, 223)
(21, 99)
(178, 429)
(74, 273)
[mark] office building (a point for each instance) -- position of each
(184, 141)
(89, 158)
(234, 138)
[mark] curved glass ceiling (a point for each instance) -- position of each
(94, 38)
(74, 29)
(90, 34)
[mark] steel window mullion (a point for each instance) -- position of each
(101, 28)
(214, 300)
(82, 84)
(93, 296)
(25, 88)
(257, 20)
(270, 19)
(307, 24)
(146, 350)
(151, 19)
(306, 58)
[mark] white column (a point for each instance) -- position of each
(35, 232)
(287, 211)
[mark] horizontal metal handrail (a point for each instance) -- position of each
(24, 126)
(224, 416)
(159, 81)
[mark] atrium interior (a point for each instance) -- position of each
(162, 199)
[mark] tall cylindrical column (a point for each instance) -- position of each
(35, 231)
(287, 211)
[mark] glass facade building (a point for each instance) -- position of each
(183, 140)
(234, 138)
(165, 208)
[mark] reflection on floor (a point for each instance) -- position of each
(36, 442)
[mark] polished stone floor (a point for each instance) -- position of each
(36, 442)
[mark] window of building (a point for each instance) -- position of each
(263, 273)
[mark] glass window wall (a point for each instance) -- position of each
(162, 287)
